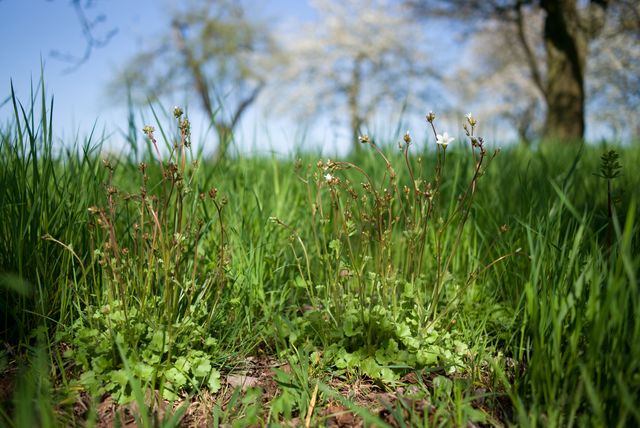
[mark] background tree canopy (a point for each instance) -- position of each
(554, 56)
(543, 68)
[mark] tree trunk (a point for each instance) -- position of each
(193, 66)
(353, 98)
(566, 49)
(224, 128)
(225, 136)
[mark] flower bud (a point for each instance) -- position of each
(431, 117)
(407, 137)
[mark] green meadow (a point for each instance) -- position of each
(405, 285)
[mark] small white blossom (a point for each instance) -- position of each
(472, 120)
(328, 177)
(444, 139)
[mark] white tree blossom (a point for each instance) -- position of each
(361, 58)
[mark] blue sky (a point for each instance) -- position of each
(32, 29)
(35, 28)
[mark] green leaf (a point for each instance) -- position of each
(104, 345)
(411, 342)
(100, 364)
(387, 375)
(88, 380)
(426, 358)
(119, 377)
(407, 291)
(283, 405)
(117, 317)
(87, 333)
(346, 360)
(383, 357)
(214, 381)
(169, 394)
(176, 377)
(144, 372)
(403, 330)
(150, 357)
(182, 364)
(475, 415)
(299, 282)
(158, 342)
(350, 327)
(370, 368)
(202, 368)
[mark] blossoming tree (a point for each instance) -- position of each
(359, 58)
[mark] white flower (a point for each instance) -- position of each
(328, 177)
(444, 139)
(472, 121)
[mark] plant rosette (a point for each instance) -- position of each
(175, 364)
(400, 345)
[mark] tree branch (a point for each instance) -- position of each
(245, 104)
(532, 61)
(192, 65)
(92, 42)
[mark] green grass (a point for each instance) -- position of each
(500, 295)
